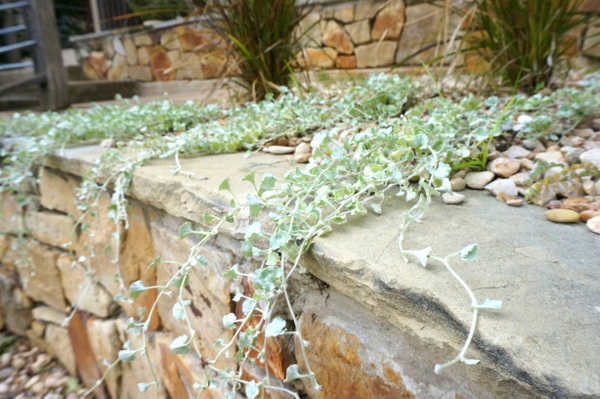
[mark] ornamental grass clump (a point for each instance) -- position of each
(522, 40)
(262, 34)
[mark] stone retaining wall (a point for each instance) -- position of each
(376, 326)
(354, 34)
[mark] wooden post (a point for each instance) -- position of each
(41, 22)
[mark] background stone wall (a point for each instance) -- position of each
(343, 35)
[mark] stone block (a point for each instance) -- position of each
(189, 67)
(47, 314)
(389, 21)
(105, 344)
(336, 37)
(108, 49)
(360, 31)
(317, 58)
(130, 50)
(81, 290)
(137, 252)
(119, 69)
(16, 306)
(41, 277)
(52, 228)
(58, 190)
(207, 290)
(10, 214)
(169, 39)
(140, 73)
(198, 40)
(160, 65)
(143, 55)
(214, 63)
(423, 22)
(345, 61)
(174, 56)
(375, 54)
(344, 14)
(309, 30)
(591, 45)
(180, 372)
(94, 66)
(87, 368)
(141, 368)
(142, 39)
(97, 245)
(58, 344)
(118, 46)
(368, 9)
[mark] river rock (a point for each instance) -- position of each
(509, 199)
(592, 156)
(533, 145)
(478, 180)
(302, 152)
(562, 216)
(550, 156)
(280, 150)
(505, 186)
(594, 224)
(457, 184)
(572, 154)
(516, 151)
(577, 204)
(587, 215)
(504, 167)
(584, 133)
(453, 198)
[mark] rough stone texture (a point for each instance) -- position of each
(375, 54)
(180, 372)
(57, 191)
(105, 344)
(360, 31)
(420, 31)
(136, 254)
(80, 289)
(336, 37)
(118, 70)
(87, 369)
(529, 333)
(367, 9)
(591, 45)
(160, 65)
(309, 30)
(52, 228)
(143, 55)
(344, 14)
(9, 214)
(142, 40)
(142, 73)
(40, 276)
(138, 370)
(59, 346)
(130, 50)
(208, 289)
(389, 21)
(317, 58)
(345, 61)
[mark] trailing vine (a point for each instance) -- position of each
(381, 134)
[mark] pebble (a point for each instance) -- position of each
(589, 187)
(5, 373)
(587, 215)
(592, 156)
(594, 224)
(553, 171)
(591, 145)
(279, 150)
(302, 153)
(519, 178)
(453, 198)
(577, 204)
(550, 156)
(504, 167)
(478, 180)
(528, 164)
(457, 184)
(583, 133)
(516, 151)
(572, 154)
(562, 216)
(18, 363)
(533, 145)
(572, 141)
(505, 186)
(509, 199)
